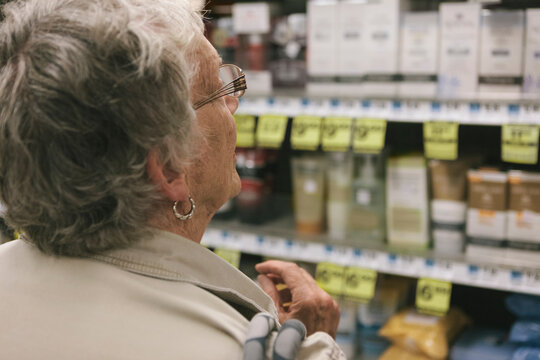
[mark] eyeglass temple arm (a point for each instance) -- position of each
(235, 85)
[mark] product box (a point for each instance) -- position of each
(487, 202)
(523, 226)
(381, 46)
(448, 204)
(419, 53)
(523, 221)
(486, 215)
(407, 209)
(350, 47)
(251, 18)
(531, 79)
(501, 53)
(322, 46)
(458, 59)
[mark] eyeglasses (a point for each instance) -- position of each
(234, 82)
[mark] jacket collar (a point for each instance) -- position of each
(168, 256)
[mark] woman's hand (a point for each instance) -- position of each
(297, 296)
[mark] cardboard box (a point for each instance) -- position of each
(523, 220)
(419, 53)
(350, 47)
(531, 79)
(458, 64)
(381, 46)
(501, 54)
(487, 202)
(322, 46)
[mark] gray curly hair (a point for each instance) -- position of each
(87, 89)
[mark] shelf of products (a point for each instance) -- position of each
(279, 240)
(463, 112)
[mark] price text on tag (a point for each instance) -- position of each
(433, 296)
(271, 130)
(369, 135)
(520, 143)
(330, 277)
(441, 140)
(360, 283)
(245, 130)
(306, 132)
(336, 135)
(231, 256)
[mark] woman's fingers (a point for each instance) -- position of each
(306, 301)
(269, 287)
(291, 273)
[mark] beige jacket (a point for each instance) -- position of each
(164, 298)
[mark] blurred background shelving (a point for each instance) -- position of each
(392, 143)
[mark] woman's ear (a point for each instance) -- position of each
(171, 184)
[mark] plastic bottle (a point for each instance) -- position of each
(366, 217)
(339, 173)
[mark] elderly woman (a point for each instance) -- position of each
(117, 146)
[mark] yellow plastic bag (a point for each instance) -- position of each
(425, 334)
(397, 353)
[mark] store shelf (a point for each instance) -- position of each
(481, 112)
(278, 239)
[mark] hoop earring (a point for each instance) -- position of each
(186, 216)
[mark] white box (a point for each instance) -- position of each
(496, 253)
(351, 38)
(458, 59)
(531, 79)
(381, 46)
(407, 209)
(419, 53)
(260, 82)
(322, 38)
(350, 48)
(322, 47)
(484, 224)
(251, 18)
(501, 53)
(522, 257)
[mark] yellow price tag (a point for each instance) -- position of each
(306, 132)
(231, 256)
(433, 296)
(441, 140)
(336, 135)
(360, 283)
(245, 130)
(330, 278)
(520, 143)
(369, 135)
(271, 130)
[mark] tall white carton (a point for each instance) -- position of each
(350, 47)
(458, 64)
(531, 79)
(322, 46)
(381, 46)
(419, 53)
(501, 54)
